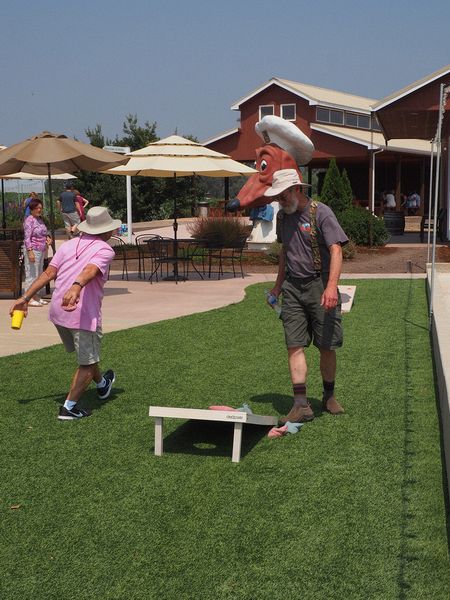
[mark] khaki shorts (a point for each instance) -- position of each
(305, 320)
(85, 343)
(70, 219)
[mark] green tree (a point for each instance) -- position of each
(332, 190)
(153, 198)
(347, 192)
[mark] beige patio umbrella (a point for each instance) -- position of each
(176, 156)
(49, 153)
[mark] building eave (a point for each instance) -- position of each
(409, 89)
(220, 136)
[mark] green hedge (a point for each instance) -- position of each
(363, 228)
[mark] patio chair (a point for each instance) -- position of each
(441, 219)
(222, 254)
(120, 248)
(142, 248)
(160, 252)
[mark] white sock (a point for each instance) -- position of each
(69, 404)
(102, 382)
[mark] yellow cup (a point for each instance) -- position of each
(17, 319)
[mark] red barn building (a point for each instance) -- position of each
(343, 126)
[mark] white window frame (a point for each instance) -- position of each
(323, 120)
(353, 114)
(272, 106)
(295, 111)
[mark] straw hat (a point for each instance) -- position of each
(98, 220)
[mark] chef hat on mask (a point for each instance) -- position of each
(275, 130)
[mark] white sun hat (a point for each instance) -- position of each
(283, 180)
(98, 220)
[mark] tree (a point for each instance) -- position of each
(152, 196)
(347, 192)
(332, 190)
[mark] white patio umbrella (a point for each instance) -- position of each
(176, 156)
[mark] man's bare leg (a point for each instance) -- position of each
(82, 378)
(301, 410)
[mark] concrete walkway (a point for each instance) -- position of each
(129, 304)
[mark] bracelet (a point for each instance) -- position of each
(26, 298)
(78, 283)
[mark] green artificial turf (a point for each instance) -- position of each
(351, 507)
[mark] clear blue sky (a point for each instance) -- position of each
(66, 66)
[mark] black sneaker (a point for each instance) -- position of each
(74, 413)
(104, 392)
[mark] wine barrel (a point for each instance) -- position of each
(395, 222)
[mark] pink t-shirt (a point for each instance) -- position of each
(69, 260)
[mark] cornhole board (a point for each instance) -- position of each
(200, 414)
(347, 296)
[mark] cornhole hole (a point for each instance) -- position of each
(199, 414)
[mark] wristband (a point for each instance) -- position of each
(25, 298)
(78, 283)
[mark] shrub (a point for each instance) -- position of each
(219, 231)
(274, 252)
(363, 228)
(349, 251)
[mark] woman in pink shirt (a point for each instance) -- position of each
(35, 242)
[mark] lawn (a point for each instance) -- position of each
(351, 507)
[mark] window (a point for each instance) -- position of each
(265, 109)
(327, 115)
(351, 119)
(337, 117)
(323, 114)
(288, 112)
(357, 120)
(364, 121)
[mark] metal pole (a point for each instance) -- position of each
(430, 200)
(436, 197)
(52, 213)
(3, 206)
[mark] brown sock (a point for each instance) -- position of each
(328, 390)
(299, 390)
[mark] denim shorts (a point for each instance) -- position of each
(305, 320)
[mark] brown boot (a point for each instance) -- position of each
(298, 414)
(332, 406)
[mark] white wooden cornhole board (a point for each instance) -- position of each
(347, 296)
(200, 414)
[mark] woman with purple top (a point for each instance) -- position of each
(35, 241)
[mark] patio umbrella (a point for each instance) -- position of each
(176, 156)
(50, 153)
(24, 177)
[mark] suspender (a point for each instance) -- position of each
(317, 259)
(313, 235)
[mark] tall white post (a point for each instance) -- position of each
(129, 210)
(436, 195)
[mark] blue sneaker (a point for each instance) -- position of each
(105, 391)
